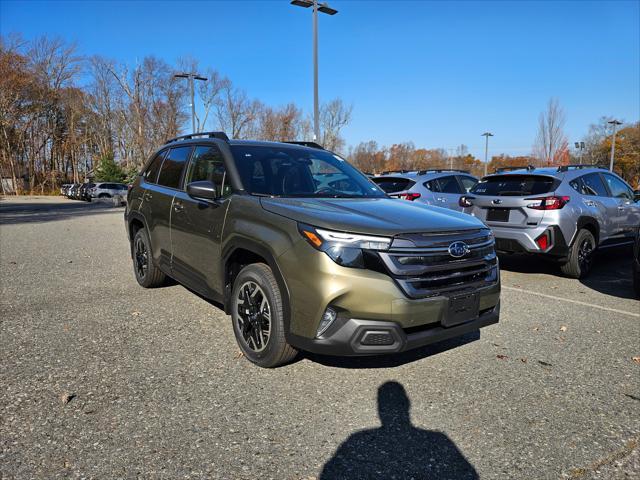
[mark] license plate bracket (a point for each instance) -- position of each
(498, 215)
(462, 309)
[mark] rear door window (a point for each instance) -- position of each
(590, 184)
(172, 167)
(151, 173)
(394, 184)
(515, 185)
(449, 184)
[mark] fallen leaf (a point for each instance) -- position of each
(636, 359)
(135, 314)
(563, 328)
(523, 360)
(66, 397)
(502, 357)
(239, 355)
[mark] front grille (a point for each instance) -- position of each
(422, 266)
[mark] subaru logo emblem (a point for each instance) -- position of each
(497, 201)
(458, 249)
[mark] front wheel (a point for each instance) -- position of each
(258, 319)
(581, 255)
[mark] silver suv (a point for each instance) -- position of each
(108, 190)
(565, 213)
(441, 188)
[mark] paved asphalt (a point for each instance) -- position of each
(103, 379)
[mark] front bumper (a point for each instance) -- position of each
(356, 337)
(368, 301)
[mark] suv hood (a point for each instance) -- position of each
(379, 216)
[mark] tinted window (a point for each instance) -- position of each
(514, 185)
(432, 185)
(299, 172)
(449, 184)
(172, 167)
(590, 184)
(151, 174)
(393, 184)
(618, 188)
(207, 164)
(467, 182)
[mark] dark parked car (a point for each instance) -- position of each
(84, 191)
(302, 262)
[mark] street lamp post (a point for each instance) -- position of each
(323, 8)
(580, 148)
(486, 149)
(614, 123)
(192, 77)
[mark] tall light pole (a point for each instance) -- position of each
(486, 150)
(580, 148)
(192, 77)
(615, 124)
(323, 8)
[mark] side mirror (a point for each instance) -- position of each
(636, 195)
(203, 189)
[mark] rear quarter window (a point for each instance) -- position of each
(393, 184)
(515, 185)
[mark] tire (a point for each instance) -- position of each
(580, 255)
(147, 274)
(267, 346)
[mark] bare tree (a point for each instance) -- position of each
(237, 115)
(334, 116)
(283, 124)
(551, 142)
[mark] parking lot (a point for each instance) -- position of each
(103, 379)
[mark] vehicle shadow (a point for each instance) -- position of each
(33, 212)
(397, 449)
(392, 360)
(611, 272)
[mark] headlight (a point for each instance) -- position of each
(343, 248)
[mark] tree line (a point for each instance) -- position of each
(64, 116)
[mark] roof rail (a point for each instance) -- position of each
(440, 170)
(387, 172)
(566, 168)
(518, 167)
(220, 135)
(307, 144)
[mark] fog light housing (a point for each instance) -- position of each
(327, 319)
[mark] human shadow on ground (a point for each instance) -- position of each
(397, 449)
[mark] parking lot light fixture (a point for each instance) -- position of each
(192, 77)
(614, 123)
(486, 149)
(323, 8)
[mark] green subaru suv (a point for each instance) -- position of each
(304, 252)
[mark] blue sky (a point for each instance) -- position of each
(435, 73)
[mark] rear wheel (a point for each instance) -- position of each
(580, 255)
(258, 319)
(147, 274)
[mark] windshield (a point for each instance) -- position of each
(514, 185)
(299, 172)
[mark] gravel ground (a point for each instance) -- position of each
(103, 379)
